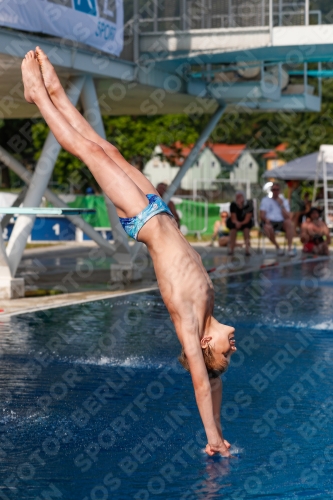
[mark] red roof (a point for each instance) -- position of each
(229, 153)
(273, 154)
(177, 153)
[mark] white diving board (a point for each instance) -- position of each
(45, 211)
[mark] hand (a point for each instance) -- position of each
(221, 448)
(279, 201)
(238, 225)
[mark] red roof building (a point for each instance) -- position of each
(227, 153)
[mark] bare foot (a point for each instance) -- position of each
(51, 80)
(32, 78)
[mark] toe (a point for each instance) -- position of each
(40, 53)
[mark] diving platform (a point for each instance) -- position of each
(45, 211)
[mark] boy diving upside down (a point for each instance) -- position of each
(184, 284)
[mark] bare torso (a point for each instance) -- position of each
(185, 286)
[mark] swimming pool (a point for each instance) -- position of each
(95, 406)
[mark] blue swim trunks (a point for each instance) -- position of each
(132, 225)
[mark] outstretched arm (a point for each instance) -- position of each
(217, 388)
(204, 398)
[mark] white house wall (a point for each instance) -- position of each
(158, 170)
(207, 166)
(247, 169)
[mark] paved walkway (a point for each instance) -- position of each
(61, 275)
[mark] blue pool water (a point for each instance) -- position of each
(95, 406)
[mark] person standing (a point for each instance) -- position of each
(297, 204)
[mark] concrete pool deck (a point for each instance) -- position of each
(80, 273)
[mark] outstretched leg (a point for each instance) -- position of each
(128, 199)
(73, 116)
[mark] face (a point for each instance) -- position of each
(223, 341)
(239, 199)
(275, 191)
(223, 215)
(314, 215)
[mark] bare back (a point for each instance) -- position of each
(183, 281)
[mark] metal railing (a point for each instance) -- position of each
(236, 183)
(155, 16)
(193, 216)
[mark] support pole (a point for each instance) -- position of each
(39, 182)
(26, 176)
(136, 31)
(4, 264)
(92, 114)
(307, 13)
(194, 153)
(270, 20)
(327, 220)
(10, 288)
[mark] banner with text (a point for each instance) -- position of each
(98, 23)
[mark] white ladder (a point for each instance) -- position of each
(324, 179)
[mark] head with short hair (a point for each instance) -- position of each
(161, 188)
(275, 189)
(314, 213)
(240, 197)
(217, 346)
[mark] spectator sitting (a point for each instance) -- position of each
(313, 232)
(241, 219)
(275, 216)
(221, 230)
(161, 189)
